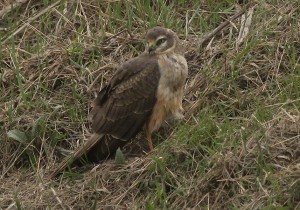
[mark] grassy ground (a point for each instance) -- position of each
(238, 147)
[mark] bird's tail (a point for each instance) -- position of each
(84, 149)
(97, 147)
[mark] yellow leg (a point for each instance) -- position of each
(149, 139)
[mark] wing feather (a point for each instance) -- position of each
(125, 104)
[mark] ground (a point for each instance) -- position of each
(237, 148)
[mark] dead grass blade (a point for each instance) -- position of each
(31, 19)
(245, 25)
(8, 8)
(210, 35)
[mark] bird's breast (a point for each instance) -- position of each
(173, 70)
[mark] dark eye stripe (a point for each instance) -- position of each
(160, 41)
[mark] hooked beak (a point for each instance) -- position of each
(151, 47)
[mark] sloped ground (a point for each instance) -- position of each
(238, 147)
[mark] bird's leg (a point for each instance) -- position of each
(149, 139)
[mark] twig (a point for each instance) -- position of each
(116, 35)
(206, 38)
(192, 107)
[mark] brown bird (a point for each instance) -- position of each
(144, 91)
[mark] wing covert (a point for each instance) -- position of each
(125, 104)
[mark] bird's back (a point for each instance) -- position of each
(123, 106)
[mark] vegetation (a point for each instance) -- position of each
(238, 147)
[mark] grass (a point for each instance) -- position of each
(238, 147)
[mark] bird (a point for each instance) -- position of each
(142, 94)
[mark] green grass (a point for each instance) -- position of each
(238, 149)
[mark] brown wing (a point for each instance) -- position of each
(125, 104)
(120, 110)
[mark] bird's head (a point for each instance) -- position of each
(161, 40)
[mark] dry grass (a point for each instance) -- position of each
(239, 147)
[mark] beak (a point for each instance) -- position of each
(151, 46)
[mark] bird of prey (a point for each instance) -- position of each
(144, 91)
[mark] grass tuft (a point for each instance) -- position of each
(237, 148)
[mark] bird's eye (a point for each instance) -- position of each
(160, 41)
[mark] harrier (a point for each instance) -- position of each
(144, 91)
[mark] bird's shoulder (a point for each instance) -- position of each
(131, 74)
(144, 62)
(125, 103)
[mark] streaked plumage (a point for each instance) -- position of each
(142, 94)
